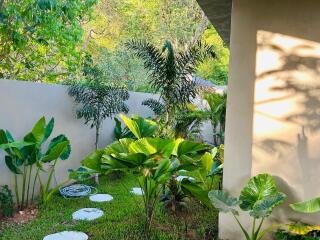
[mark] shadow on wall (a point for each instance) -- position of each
(287, 114)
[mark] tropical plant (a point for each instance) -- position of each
(188, 123)
(6, 201)
(157, 160)
(217, 114)
(156, 106)
(141, 127)
(298, 235)
(171, 72)
(310, 206)
(259, 196)
(23, 156)
(96, 98)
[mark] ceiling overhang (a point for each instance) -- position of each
(219, 14)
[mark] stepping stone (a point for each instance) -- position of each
(67, 235)
(101, 198)
(180, 178)
(137, 191)
(87, 214)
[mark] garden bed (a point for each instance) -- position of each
(123, 218)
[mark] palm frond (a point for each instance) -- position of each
(156, 106)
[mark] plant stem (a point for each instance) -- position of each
(259, 228)
(253, 228)
(23, 186)
(96, 176)
(242, 228)
(34, 184)
(29, 180)
(50, 177)
(17, 190)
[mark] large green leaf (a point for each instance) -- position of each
(55, 152)
(223, 201)
(264, 207)
(81, 174)
(93, 160)
(61, 138)
(38, 131)
(48, 130)
(17, 144)
(194, 190)
(121, 146)
(124, 160)
(163, 148)
(206, 162)
(139, 126)
(302, 229)
(256, 190)
(187, 147)
(3, 137)
(12, 165)
(132, 125)
(310, 206)
(163, 173)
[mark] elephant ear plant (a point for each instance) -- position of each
(156, 160)
(27, 159)
(260, 196)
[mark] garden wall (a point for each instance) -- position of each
(23, 103)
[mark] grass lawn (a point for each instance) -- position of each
(123, 219)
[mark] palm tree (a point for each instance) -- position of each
(171, 72)
(217, 114)
(96, 98)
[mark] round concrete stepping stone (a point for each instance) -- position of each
(67, 235)
(137, 191)
(180, 178)
(87, 214)
(101, 198)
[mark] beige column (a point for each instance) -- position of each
(273, 116)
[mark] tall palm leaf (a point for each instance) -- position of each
(171, 72)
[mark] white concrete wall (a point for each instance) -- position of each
(273, 116)
(23, 103)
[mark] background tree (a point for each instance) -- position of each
(96, 97)
(39, 39)
(216, 113)
(171, 72)
(182, 22)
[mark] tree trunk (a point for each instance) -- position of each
(199, 31)
(96, 176)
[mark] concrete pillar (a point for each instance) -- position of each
(273, 116)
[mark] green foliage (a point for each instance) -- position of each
(124, 221)
(96, 97)
(216, 114)
(171, 71)
(140, 127)
(158, 161)
(215, 70)
(6, 202)
(156, 106)
(23, 156)
(120, 67)
(259, 196)
(310, 206)
(284, 235)
(39, 39)
(171, 74)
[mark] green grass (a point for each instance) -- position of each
(123, 219)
